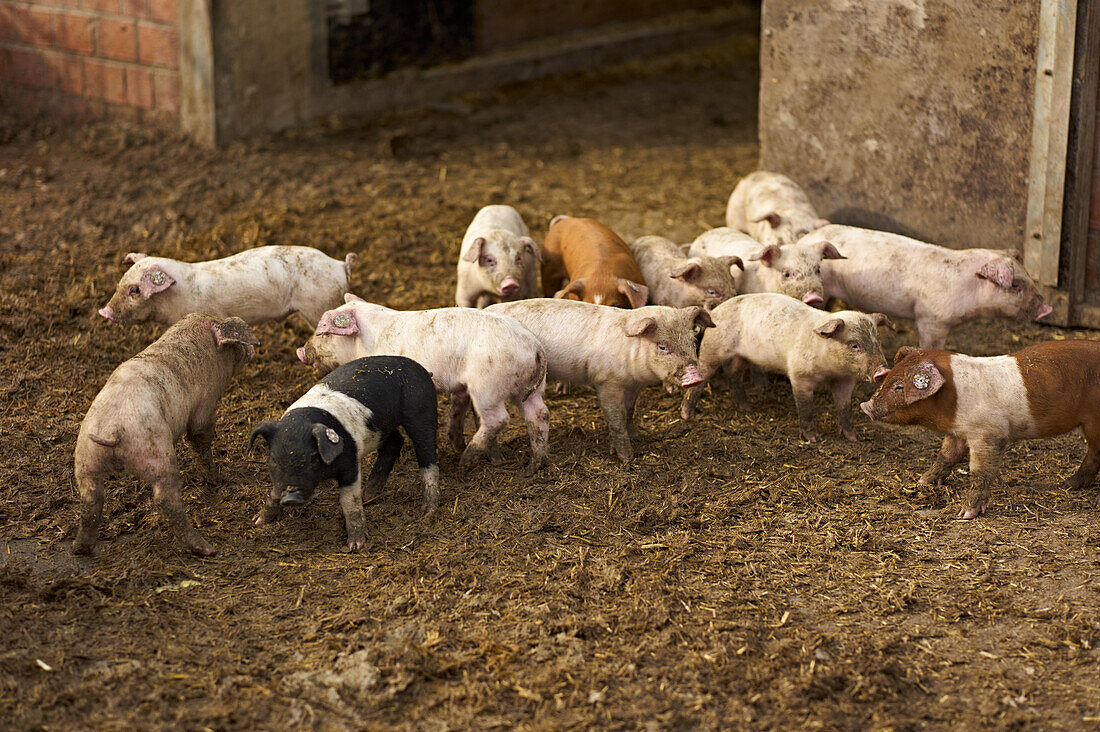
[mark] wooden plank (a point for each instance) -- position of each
(1086, 75)
(1049, 138)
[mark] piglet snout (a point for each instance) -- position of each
(880, 373)
(813, 299)
(1044, 310)
(866, 407)
(302, 355)
(292, 497)
(691, 377)
(109, 314)
(509, 286)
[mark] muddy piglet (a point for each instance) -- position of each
(614, 350)
(982, 404)
(170, 389)
(791, 269)
(256, 285)
(772, 209)
(590, 263)
(355, 410)
(811, 347)
(679, 281)
(499, 259)
(938, 287)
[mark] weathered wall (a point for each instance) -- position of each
(907, 115)
(1092, 257)
(85, 59)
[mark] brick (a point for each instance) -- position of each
(139, 87)
(33, 26)
(70, 75)
(158, 45)
(74, 32)
(117, 39)
(7, 22)
(103, 6)
(166, 11)
(105, 81)
(27, 68)
(166, 91)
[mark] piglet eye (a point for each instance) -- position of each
(899, 386)
(786, 275)
(134, 290)
(490, 261)
(817, 269)
(855, 346)
(662, 348)
(712, 292)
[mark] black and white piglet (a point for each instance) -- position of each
(354, 410)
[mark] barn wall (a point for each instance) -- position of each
(85, 59)
(907, 115)
(1092, 258)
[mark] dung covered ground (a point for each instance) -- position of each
(730, 576)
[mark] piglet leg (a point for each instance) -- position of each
(537, 417)
(613, 402)
(166, 496)
(272, 509)
(842, 399)
(383, 464)
(804, 404)
(735, 377)
(494, 417)
(1086, 474)
(952, 451)
(201, 442)
(985, 458)
(351, 503)
(460, 403)
(91, 512)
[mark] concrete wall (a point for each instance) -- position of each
(907, 115)
(84, 59)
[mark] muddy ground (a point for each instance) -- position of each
(730, 576)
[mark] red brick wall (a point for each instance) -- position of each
(84, 59)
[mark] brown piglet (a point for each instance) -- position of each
(983, 404)
(590, 263)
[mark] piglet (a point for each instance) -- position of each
(982, 404)
(811, 347)
(616, 351)
(170, 389)
(265, 283)
(772, 209)
(476, 355)
(938, 287)
(350, 413)
(499, 259)
(791, 269)
(678, 281)
(590, 263)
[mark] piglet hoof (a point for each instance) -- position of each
(356, 544)
(82, 548)
(810, 439)
(201, 547)
(850, 435)
(625, 454)
(687, 414)
(535, 466)
(427, 510)
(971, 512)
(469, 456)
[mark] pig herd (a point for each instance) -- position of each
(584, 308)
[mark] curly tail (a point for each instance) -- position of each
(557, 218)
(116, 437)
(540, 374)
(349, 262)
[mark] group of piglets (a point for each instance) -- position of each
(612, 316)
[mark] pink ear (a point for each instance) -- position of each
(530, 244)
(922, 381)
(818, 223)
(474, 252)
(133, 258)
(637, 294)
(352, 297)
(998, 271)
(773, 219)
(154, 280)
(767, 256)
(827, 250)
(688, 270)
(338, 322)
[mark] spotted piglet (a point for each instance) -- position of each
(353, 411)
(982, 404)
(170, 389)
(256, 285)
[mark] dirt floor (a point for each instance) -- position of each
(730, 576)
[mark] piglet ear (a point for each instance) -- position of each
(880, 320)
(474, 252)
(338, 322)
(686, 271)
(902, 353)
(818, 223)
(829, 328)
(329, 443)
(700, 317)
(767, 256)
(1015, 254)
(530, 245)
(640, 326)
(576, 287)
(133, 258)
(998, 271)
(236, 332)
(731, 261)
(352, 297)
(922, 381)
(638, 295)
(828, 250)
(773, 219)
(265, 430)
(153, 280)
